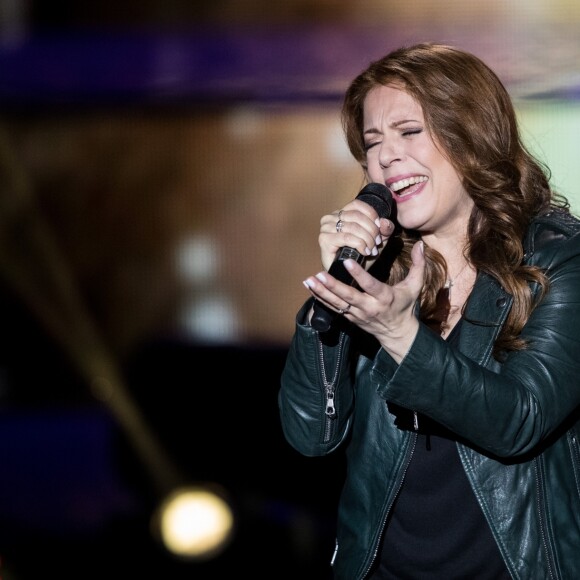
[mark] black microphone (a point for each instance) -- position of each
(379, 197)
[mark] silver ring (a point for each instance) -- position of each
(340, 213)
(339, 226)
(344, 310)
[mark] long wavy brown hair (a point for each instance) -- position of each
(470, 115)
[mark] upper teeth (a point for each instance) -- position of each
(406, 182)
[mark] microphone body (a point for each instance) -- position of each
(379, 197)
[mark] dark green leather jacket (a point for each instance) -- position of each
(522, 416)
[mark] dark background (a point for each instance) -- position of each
(76, 501)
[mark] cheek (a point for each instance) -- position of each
(374, 170)
(414, 214)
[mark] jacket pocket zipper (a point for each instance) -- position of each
(330, 385)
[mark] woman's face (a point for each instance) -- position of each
(401, 153)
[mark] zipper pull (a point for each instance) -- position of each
(330, 409)
(415, 421)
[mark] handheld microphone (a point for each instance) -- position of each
(379, 197)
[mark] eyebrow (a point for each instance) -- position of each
(374, 130)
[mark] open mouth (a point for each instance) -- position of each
(406, 186)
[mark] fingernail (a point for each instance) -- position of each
(321, 277)
(375, 251)
(308, 284)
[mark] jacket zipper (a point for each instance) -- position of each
(375, 553)
(541, 512)
(330, 386)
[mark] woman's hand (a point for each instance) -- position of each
(386, 312)
(358, 226)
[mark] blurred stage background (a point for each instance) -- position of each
(164, 166)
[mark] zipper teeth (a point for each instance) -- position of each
(330, 384)
(376, 551)
(539, 483)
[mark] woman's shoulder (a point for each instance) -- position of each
(558, 219)
(556, 232)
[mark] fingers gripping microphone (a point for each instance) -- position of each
(380, 199)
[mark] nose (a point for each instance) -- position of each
(389, 154)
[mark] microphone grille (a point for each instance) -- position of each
(379, 197)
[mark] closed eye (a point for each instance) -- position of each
(371, 145)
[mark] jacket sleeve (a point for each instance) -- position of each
(316, 389)
(511, 409)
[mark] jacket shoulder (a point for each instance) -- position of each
(555, 233)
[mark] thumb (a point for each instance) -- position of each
(416, 276)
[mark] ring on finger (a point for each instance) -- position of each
(344, 310)
(339, 226)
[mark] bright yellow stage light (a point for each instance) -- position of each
(194, 522)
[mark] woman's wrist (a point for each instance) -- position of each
(398, 344)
